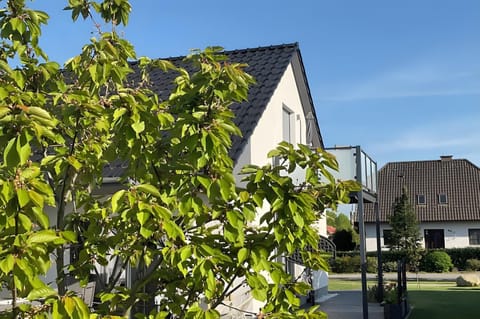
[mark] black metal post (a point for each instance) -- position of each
(379, 254)
(361, 229)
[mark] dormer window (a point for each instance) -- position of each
(442, 199)
(421, 199)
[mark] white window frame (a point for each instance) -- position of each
(474, 233)
(442, 196)
(421, 202)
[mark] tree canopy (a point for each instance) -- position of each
(179, 217)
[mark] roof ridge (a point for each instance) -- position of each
(424, 161)
(294, 45)
(268, 47)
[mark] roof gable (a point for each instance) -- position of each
(458, 179)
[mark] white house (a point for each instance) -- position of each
(445, 195)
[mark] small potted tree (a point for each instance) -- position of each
(395, 305)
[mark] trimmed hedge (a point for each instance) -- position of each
(461, 258)
(351, 264)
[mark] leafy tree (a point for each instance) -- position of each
(345, 236)
(331, 217)
(343, 222)
(405, 234)
(179, 218)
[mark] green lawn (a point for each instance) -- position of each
(431, 299)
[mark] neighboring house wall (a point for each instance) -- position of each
(455, 234)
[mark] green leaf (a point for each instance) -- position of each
(116, 198)
(242, 255)
(41, 293)
(74, 162)
(3, 109)
(258, 176)
(82, 309)
(10, 155)
(244, 196)
(172, 229)
(291, 298)
(185, 253)
(38, 111)
(69, 304)
(24, 151)
(44, 236)
(206, 182)
(212, 314)
(23, 198)
(298, 220)
(119, 112)
(150, 189)
(276, 276)
(145, 232)
(211, 285)
(259, 294)
(143, 217)
(41, 217)
(7, 263)
(36, 198)
(70, 236)
(138, 127)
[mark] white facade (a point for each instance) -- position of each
(455, 234)
(270, 128)
(273, 128)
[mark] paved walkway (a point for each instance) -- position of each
(348, 305)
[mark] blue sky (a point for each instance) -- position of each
(399, 78)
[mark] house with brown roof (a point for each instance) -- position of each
(445, 195)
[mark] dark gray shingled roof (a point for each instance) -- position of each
(459, 179)
(267, 65)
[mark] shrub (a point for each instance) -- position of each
(390, 266)
(472, 264)
(437, 261)
(372, 264)
(461, 255)
(346, 264)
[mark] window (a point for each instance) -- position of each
(288, 125)
(434, 238)
(421, 199)
(474, 236)
(387, 237)
(442, 199)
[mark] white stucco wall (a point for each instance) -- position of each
(269, 131)
(456, 233)
(265, 137)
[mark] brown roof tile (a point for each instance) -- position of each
(458, 179)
